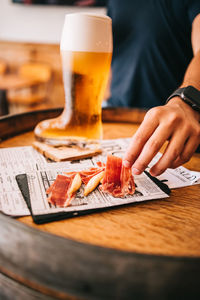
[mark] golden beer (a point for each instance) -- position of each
(85, 75)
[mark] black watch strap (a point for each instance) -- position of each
(189, 95)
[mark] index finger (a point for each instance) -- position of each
(139, 139)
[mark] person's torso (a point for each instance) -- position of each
(152, 49)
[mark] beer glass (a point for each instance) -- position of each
(86, 51)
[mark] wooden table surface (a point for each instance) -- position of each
(65, 260)
(167, 227)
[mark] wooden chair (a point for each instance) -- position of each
(39, 76)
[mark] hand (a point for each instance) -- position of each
(176, 122)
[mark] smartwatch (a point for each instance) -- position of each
(189, 95)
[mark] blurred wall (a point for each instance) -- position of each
(35, 23)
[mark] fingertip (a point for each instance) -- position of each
(155, 173)
(136, 171)
(152, 173)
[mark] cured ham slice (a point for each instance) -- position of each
(118, 180)
(101, 164)
(63, 190)
(127, 181)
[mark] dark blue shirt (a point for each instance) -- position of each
(152, 49)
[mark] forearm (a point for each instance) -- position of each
(176, 122)
(192, 77)
(192, 74)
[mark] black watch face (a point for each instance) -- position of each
(192, 94)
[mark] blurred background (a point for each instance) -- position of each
(30, 63)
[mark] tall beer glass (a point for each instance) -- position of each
(86, 50)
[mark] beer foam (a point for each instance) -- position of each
(87, 32)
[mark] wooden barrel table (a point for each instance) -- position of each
(148, 250)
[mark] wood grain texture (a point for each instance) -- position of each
(63, 260)
(66, 269)
(10, 289)
(64, 153)
(14, 124)
(168, 227)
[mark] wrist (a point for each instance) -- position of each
(188, 95)
(177, 102)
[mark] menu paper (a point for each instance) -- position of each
(14, 161)
(41, 173)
